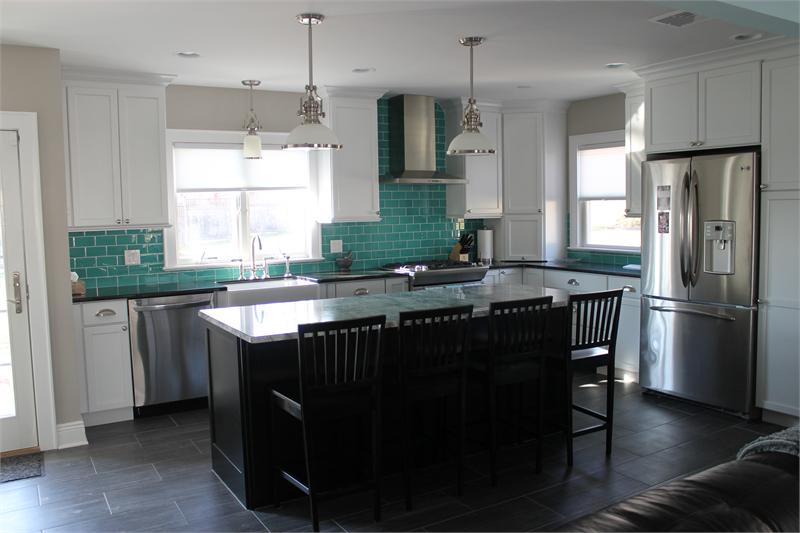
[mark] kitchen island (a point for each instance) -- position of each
(253, 348)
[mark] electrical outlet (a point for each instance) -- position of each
(336, 246)
(133, 257)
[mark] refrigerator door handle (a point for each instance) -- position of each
(694, 229)
(720, 316)
(682, 228)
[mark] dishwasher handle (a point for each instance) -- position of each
(168, 307)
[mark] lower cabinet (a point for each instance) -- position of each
(398, 284)
(627, 356)
(103, 344)
(533, 277)
(519, 237)
(360, 288)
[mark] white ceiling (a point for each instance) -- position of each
(558, 47)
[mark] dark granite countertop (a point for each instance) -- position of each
(338, 275)
(573, 266)
(148, 291)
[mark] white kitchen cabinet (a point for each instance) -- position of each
(362, 287)
(780, 109)
(779, 303)
(634, 152)
(103, 344)
(523, 162)
(533, 277)
(709, 109)
(117, 158)
(482, 195)
(509, 276)
(575, 282)
(520, 237)
(397, 284)
(348, 178)
(730, 106)
(627, 355)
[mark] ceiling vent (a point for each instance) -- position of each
(677, 19)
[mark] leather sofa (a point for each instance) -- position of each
(757, 493)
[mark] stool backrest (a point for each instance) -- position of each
(593, 319)
(340, 354)
(434, 341)
(519, 326)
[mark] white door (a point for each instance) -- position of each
(17, 408)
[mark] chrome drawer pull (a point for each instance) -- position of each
(361, 292)
(574, 282)
(629, 288)
(105, 312)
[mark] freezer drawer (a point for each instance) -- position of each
(699, 352)
(168, 352)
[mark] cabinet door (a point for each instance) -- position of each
(778, 339)
(634, 154)
(730, 106)
(142, 126)
(533, 277)
(523, 237)
(77, 329)
(671, 113)
(108, 367)
(396, 284)
(93, 131)
(627, 356)
(354, 168)
(781, 107)
(484, 174)
(523, 162)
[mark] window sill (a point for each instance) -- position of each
(259, 262)
(634, 251)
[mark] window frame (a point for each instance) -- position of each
(177, 136)
(604, 139)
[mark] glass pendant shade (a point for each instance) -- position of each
(252, 146)
(471, 143)
(312, 136)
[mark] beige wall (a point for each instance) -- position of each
(30, 80)
(213, 108)
(603, 113)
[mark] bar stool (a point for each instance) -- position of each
(513, 356)
(591, 324)
(340, 376)
(432, 350)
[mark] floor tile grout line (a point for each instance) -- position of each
(94, 467)
(178, 507)
(107, 504)
(266, 527)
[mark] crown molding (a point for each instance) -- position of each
(632, 88)
(769, 48)
(115, 76)
(354, 92)
(538, 105)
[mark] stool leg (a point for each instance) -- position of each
(540, 416)
(275, 441)
(568, 402)
(491, 407)
(407, 454)
(462, 425)
(610, 383)
(376, 460)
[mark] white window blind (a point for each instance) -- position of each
(601, 173)
(220, 167)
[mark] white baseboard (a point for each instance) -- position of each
(781, 419)
(110, 416)
(71, 434)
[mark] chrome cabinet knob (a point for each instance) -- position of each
(124, 328)
(539, 210)
(361, 292)
(763, 186)
(628, 288)
(127, 221)
(469, 210)
(574, 282)
(119, 221)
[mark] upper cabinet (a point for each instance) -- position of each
(524, 162)
(709, 109)
(482, 195)
(116, 152)
(781, 94)
(348, 178)
(634, 151)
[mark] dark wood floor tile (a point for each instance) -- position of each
(440, 477)
(53, 515)
(67, 469)
(145, 493)
(203, 445)
(152, 517)
(582, 494)
(762, 428)
(128, 427)
(705, 422)
(175, 466)
(93, 486)
(521, 514)
(326, 526)
(13, 497)
(678, 404)
(123, 457)
(512, 483)
(187, 418)
(428, 509)
(654, 440)
(587, 461)
(236, 522)
(727, 441)
(295, 514)
(646, 417)
(216, 501)
(166, 435)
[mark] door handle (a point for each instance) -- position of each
(17, 288)
(683, 229)
(694, 203)
(695, 312)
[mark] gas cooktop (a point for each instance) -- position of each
(421, 266)
(439, 272)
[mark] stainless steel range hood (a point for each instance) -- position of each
(412, 142)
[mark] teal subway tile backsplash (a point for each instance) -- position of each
(413, 226)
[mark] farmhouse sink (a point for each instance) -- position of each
(267, 291)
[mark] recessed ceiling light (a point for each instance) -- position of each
(744, 37)
(363, 70)
(187, 54)
(615, 65)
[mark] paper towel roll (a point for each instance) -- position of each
(485, 245)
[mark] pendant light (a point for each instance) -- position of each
(471, 141)
(252, 142)
(311, 134)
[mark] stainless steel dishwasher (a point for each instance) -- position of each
(168, 348)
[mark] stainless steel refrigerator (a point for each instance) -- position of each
(699, 230)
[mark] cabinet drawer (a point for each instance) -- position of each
(634, 286)
(105, 312)
(574, 281)
(360, 288)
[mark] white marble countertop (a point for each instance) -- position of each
(279, 321)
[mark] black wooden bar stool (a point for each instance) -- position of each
(592, 320)
(340, 377)
(513, 356)
(432, 350)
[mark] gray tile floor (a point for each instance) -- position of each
(154, 475)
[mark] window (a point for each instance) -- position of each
(597, 176)
(221, 200)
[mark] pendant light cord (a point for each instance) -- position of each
(470, 72)
(310, 57)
